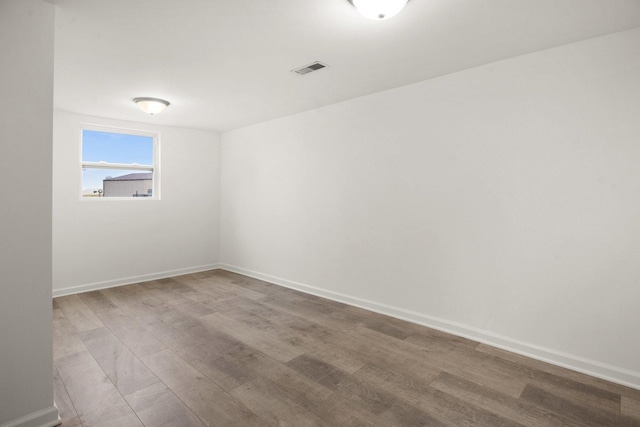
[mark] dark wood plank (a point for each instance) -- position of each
(256, 285)
(295, 331)
(266, 400)
(464, 362)
(65, 406)
(134, 336)
(65, 338)
(220, 288)
(97, 302)
(157, 406)
(499, 404)
(95, 398)
(198, 392)
(583, 415)
(296, 386)
(324, 342)
(362, 393)
(414, 387)
(270, 346)
(218, 348)
(429, 337)
(527, 362)
(575, 391)
(223, 359)
(297, 306)
(338, 411)
(81, 317)
(410, 384)
(133, 303)
(630, 407)
(126, 372)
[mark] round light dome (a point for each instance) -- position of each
(379, 9)
(151, 105)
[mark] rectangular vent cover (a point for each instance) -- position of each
(310, 68)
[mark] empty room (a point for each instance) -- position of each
(320, 213)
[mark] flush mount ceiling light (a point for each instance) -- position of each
(378, 9)
(151, 105)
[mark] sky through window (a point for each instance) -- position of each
(111, 147)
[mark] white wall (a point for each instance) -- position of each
(105, 242)
(501, 203)
(26, 110)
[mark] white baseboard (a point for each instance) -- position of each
(47, 417)
(576, 363)
(130, 280)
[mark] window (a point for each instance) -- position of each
(119, 164)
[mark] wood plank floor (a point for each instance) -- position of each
(217, 348)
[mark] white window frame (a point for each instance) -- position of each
(154, 168)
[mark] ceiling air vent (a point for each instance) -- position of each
(310, 68)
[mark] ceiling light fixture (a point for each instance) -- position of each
(378, 9)
(151, 105)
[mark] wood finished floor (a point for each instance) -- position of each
(217, 348)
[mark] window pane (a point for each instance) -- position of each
(116, 148)
(116, 183)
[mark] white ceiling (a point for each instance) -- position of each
(225, 64)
